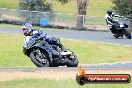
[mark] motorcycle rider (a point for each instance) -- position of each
(109, 20)
(30, 33)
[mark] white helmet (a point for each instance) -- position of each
(27, 29)
(27, 26)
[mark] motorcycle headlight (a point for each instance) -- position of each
(72, 56)
(121, 25)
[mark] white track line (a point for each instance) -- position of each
(99, 42)
(106, 63)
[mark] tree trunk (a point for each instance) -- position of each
(82, 7)
(80, 22)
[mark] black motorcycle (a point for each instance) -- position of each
(120, 28)
(43, 54)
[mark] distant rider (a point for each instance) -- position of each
(31, 33)
(109, 20)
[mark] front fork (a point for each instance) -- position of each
(40, 56)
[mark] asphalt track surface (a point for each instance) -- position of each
(104, 37)
(83, 35)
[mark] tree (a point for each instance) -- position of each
(81, 8)
(35, 5)
(81, 11)
(124, 7)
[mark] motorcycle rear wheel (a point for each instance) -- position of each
(127, 34)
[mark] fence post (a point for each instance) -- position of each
(56, 19)
(30, 15)
(80, 21)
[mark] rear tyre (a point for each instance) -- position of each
(39, 60)
(127, 34)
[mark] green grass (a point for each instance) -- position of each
(95, 21)
(95, 8)
(46, 83)
(11, 54)
(10, 25)
(12, 4)
(92, 52)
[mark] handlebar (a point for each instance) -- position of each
(40, 36)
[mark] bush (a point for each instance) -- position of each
(35, 5)
(30, 10)
(123, 7)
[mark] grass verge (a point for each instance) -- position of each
(9, 25)
(88, 52)
(92, 52)
(20, 26)
(46, 83)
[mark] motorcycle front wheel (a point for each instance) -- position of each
(72, 62)
(115, 35)
(39, 59)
